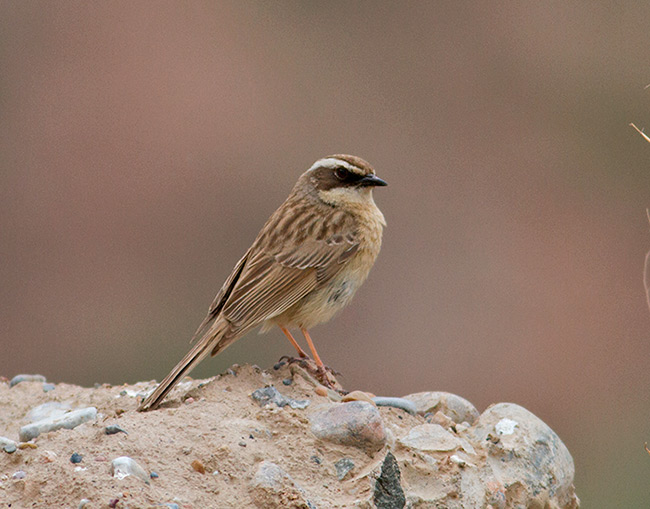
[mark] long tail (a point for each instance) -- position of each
(209, 343)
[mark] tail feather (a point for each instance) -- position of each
(200, 350)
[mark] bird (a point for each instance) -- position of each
(306, 263)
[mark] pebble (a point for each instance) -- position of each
(287, 381)
(524, 450)
(316, 459)
(47, 387)
(47, 457)
(343, 467)
(356, 423)
(402, 403)
(26, 378)
(198, 467)
(8, 445)
(20, 474)
(270, 394)
(440, 418)
(273, 487)
(505, 427)
(455, 458)
(154, 475)
(49, 410)
(389, 493)
(321, 391)
(456, 408)
(76, 458)
(358, 396)
(68, 420)
(430, 438)
(112, 429)
(124, 466)
(134, 394)
(462, 428)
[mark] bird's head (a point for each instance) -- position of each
(342, 180)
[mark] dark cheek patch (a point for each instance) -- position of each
(326, 179)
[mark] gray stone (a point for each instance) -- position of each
(456, 408)
(356, 423)
(526, 456)
(273, 487)
(388, 492)
(402, 403)
(343, 467)
(8, 445)
(268, 395)
(430, 438)
(124, 466)
(69, 420)
(26, 378)
(270, 475)
(112, 429)
(49, 410)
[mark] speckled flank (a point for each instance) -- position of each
(321, 305)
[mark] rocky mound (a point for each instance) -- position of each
(254, 438)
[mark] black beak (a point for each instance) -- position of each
(371, 181)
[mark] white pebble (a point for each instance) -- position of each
(124, 466)
(68, 420)
(505, 426)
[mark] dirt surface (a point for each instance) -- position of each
(211, 445)
(221, 427)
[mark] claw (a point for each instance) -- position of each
(287, 359)
(326, 376)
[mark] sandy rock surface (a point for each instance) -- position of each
(215, 445)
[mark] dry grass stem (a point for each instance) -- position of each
(641, 132)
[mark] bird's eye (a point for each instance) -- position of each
(341, 173)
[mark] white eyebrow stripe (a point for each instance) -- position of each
(333, 162)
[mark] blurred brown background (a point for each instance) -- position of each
(143, 145)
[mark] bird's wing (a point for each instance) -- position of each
(269, 284)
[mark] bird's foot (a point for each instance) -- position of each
(303, 362)
(326, 376)
(331, 371)
(322, 375)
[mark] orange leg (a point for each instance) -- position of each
(319, 362)
(295, 344)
